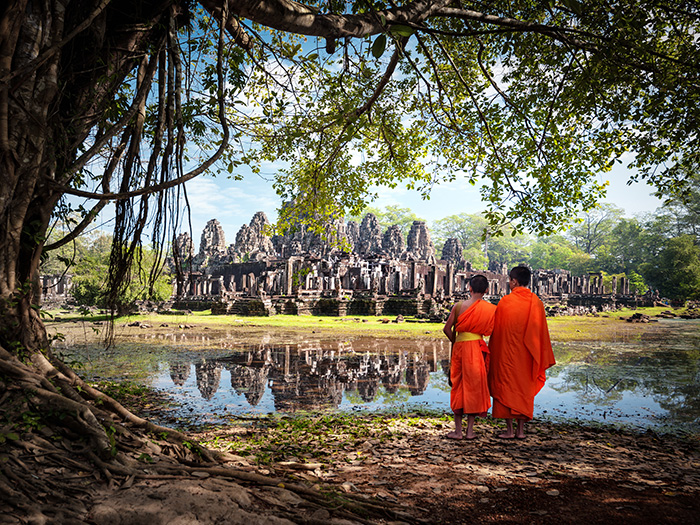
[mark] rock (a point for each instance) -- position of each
(321, 515)
(370, 238)
(452, 251)
(183, 248)
(284, 496)
(352, 234)
(252, 240)
(213, 241)
(392, 242)
(419, 246)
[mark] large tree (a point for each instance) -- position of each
(595, 227)
(124, 101)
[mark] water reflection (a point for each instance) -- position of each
(314, 376)
(652, 382)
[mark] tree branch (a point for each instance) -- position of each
(287, 15)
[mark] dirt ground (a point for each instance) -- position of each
(401, 467)
(559, 474)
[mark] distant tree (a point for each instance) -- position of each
(509, 249)
(469, 229)
(581, 263)
(624, 249)
(595, 227)
(66, 256)
(90, 288)
(682, 211)
(554, 252)
(674, 272)
(392, 214)
(637, 284)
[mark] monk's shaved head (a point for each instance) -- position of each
(520, 274)
(479, 283)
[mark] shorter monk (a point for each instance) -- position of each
(468, 323)
(521, 352)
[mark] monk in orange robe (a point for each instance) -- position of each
(520, 353)
(468, 323)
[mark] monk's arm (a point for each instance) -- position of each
(449, 327)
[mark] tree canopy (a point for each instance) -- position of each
(125, 101)
(535, 98)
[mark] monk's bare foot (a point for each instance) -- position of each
(470, 436)
(506, 435)
(520, 436)
(454, 435)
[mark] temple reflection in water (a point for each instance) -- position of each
(316, 375)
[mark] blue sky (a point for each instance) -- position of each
(233, 203)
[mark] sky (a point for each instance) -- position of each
(233, 203)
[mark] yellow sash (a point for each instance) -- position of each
(467, 336)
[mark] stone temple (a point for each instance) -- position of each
(354, 269)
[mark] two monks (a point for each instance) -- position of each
(518, 354)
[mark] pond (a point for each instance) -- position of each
(652, 381)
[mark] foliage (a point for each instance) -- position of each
(595, 226)
(89, 278)
(637, 284)
(482, 245)
(556, 252)
(675, 271)
(392, 214)
(469, 229)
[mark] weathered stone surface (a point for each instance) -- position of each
(181, 502)
(213, 241)
(370, 238)
(392, 242)
(252, 241)
(419, 245)
(378, 276)
(452, 251)
(352, 234)
(183, 247)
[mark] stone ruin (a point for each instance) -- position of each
(356, 269)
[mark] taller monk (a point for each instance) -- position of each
(520, 353)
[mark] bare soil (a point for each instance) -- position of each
(384, 470)
(559, 474)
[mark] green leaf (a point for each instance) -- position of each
(379, 46)
(402, 30)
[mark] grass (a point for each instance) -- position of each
(378, 326)
(329, 438)
(604, 327)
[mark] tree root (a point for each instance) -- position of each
(62, 435)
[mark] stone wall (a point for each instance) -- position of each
(368, 273)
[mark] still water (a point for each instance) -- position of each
(651, 382)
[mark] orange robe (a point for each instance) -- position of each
(468, 366)
(520, 353)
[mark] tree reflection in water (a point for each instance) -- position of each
(651, 382)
